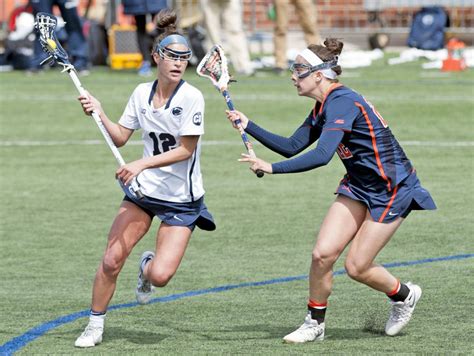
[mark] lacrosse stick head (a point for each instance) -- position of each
(214, 67)
(45, 26)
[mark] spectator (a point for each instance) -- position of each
(140, 9)
(20, 41)
(76, 41)
(226, 16)
(306, 13)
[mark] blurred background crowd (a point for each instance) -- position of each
(257, 34)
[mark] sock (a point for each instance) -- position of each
(97, 319)
(400, 293)
(317, 310)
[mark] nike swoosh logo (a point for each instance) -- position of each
(177, 218)
(392, 214)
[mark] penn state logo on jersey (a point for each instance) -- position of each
(177, 111)
(197, 118)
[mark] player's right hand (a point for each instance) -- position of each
(90, 104)
(235, 115)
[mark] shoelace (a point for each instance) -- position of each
(400, 312)
(90, 330)
(145, 286)
(308, 326)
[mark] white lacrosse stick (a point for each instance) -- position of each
(214, 67)
(45, 26)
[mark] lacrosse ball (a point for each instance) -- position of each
(51, 44)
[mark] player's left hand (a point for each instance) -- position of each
(256, 164)
(127, 172)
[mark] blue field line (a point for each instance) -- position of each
(21, 341)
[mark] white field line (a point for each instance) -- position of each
(15, 98)
(27, 143)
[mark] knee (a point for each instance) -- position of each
(322, 259)
(111, 265)
(355, 269)
(160, 278)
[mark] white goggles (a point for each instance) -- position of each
(303, 70)
(171, 54)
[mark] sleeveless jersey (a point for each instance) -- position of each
(162, 129)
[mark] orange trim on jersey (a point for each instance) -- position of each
(374, 145)
(314, 304)
(395, 290)
(331, 88)
(389, 204)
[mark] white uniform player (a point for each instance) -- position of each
(170, 114)
(183, 115)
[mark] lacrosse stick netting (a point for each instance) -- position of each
(214, 67)
(45, 25)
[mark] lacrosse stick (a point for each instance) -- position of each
(45, 25)
(214, 67)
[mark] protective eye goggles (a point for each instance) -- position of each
(302, 70)
(173, 55)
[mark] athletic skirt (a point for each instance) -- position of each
(189, 214)
(385, 206)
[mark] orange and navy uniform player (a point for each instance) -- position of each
(379, 174)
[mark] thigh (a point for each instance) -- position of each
(171, 243)
(370, 239)
(340, 225)
(129, 226)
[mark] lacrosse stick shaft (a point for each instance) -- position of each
(103, 130)
(243, 134)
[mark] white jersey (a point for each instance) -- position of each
(162, 129)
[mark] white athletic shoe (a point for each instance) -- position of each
(401, 312)
(91, 336)
(309, 331)
(144, 289)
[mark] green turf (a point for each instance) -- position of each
(58, 202)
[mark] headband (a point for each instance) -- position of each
(171, 39)
(314, 60)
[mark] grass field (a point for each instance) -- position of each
(59, 198)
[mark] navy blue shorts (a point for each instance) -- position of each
(385, 206)
(190, 214)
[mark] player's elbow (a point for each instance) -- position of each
(290, 153)
(119, 143)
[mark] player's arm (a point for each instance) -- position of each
(184, 151)
(319, 156)
(118, 133)
(304, 136)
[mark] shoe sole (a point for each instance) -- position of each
(318, 338)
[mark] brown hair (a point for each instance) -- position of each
(166, 24)
(331, 49)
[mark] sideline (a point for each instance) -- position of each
(21, 341)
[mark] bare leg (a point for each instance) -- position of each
(338, 228)
(171, 243)
(369, 241)
(130, 225)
